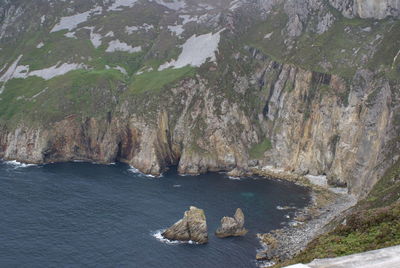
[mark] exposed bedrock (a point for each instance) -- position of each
(232, 226)
(301, 121)
(192, 227)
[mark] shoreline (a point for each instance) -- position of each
(284, 243)
(327, 203)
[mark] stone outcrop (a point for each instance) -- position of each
(193, 227)
(232, 226)
(334, 122)
(377, 9)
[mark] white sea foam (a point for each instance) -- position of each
(234, 178)
(177, 185)
(184, 175)
(17, 164)
(157, 235)
(138, 172)
(285, 208)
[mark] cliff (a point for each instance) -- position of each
(294, 85)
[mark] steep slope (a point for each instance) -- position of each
(310, 87)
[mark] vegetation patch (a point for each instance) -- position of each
(154, 81)
(85, 92)
(257, 151)
(373, 224)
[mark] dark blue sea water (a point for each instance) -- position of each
(88, 215)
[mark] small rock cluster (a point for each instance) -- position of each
(232, 226)
(193, 227)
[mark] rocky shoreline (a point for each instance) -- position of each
(284, 243)
(326, 205)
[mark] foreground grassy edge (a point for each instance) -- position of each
(373, 223)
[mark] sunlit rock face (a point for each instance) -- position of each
(205, 85)
(378, 9)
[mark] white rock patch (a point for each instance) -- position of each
(121, 69)
(131, 29)
(40, 45)
(71, 22)
(110, 34)
(236, 4)
(187, 19)
(196, 51)
(57, 70)
(95, 38)
(3, 68)
(70, 35)
(118, 4)
(22, 71)
(172, 4)
(268, 36)
(12, 71)
(117, 45)
(177, 29)
(318, 180)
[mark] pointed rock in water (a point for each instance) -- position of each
(232, 226)
(192, 227)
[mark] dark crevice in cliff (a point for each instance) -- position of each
(275, 66)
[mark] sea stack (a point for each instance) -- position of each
(193, 227)
(232, 226)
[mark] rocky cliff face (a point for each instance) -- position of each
(293, 85)
(378, 9)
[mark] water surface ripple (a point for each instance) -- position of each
(88, 215)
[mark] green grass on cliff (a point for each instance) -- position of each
(257, 150)
(85, 92)
(340, 50)
(374, 223)
(154, 81)
(365, 230)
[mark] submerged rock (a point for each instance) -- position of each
(232, 226)
(193, 227)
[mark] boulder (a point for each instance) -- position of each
(232, 226)
(193, 227)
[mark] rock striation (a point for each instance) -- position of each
(193, 227)
(299, 103)
(232, 226)
(377, 9)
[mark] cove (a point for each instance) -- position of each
(89, 215)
